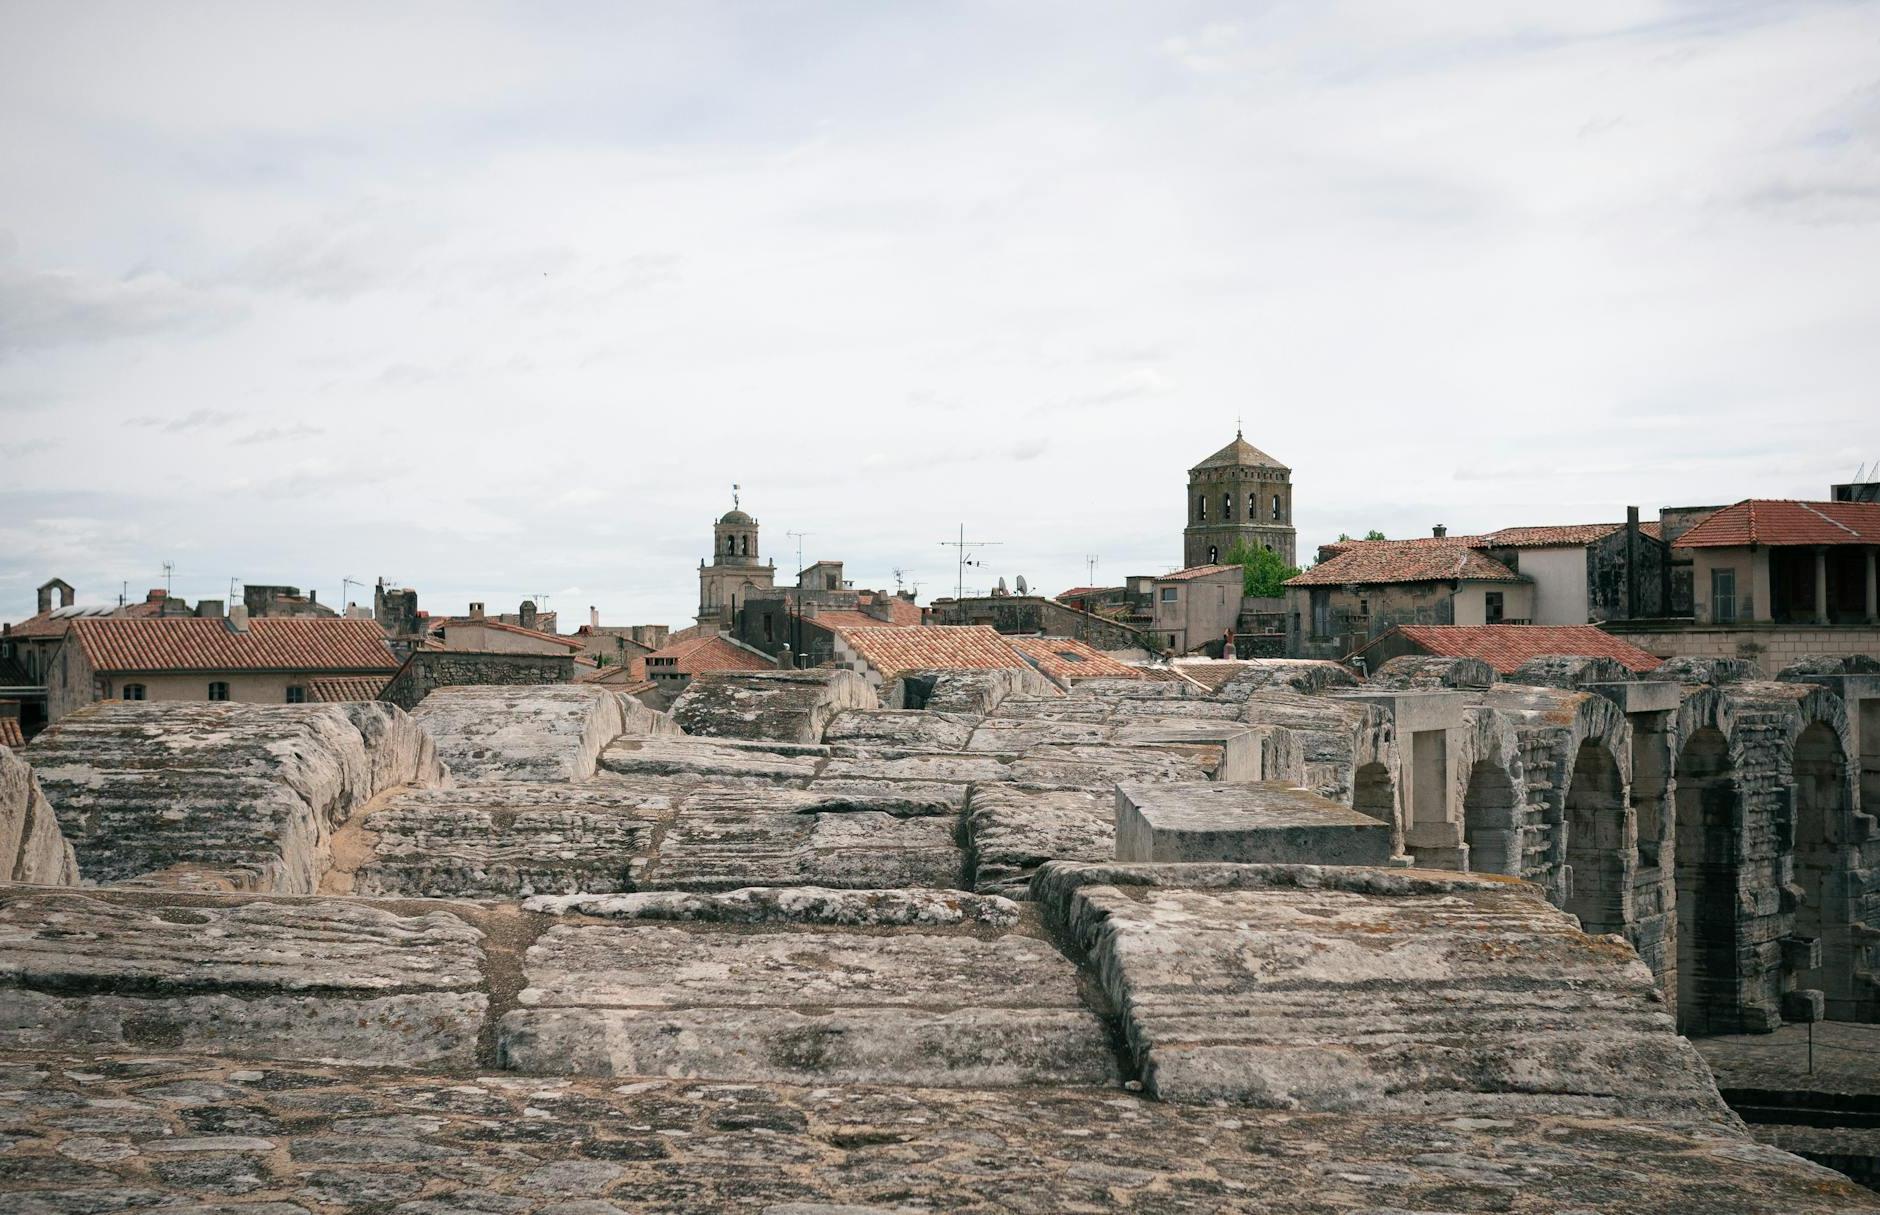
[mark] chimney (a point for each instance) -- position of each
(209, 607)
(1439, 531)
(1631, 565)
(526, 613)
(238, 618)
(476, 611)
(594, 617)
(45, 599)
(313, 596)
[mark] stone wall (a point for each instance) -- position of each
(32, 849)
(428, 670)
(1016, 614)
(550, 732)
(1772, 645)
(784, 706)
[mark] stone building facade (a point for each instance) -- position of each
(736, 570)
(1238, 495)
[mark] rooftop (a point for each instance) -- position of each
(1065, 660)
(207, 643)
(891, 649)
(696, 654)
(1429, 559)
(1782, 521)
(1240, 454)
(1198, 571)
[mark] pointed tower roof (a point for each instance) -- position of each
(1239, 454)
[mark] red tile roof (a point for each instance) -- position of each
(1240, 454)
(1363, 562)
(1559, 534)
(1198, 571)
(695, 654)
(1506, 646)
(55, 622)
(842, 619)
(891, 650)
(339, 689)
(1065, 661)
(10, 735)
(1780, 521)
(206, 643)
(1084, 592)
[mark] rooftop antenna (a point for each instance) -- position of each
(798, 537)
(231, 587)
(900, 577)
(169, 568)
(1090, 563)
(343, 584)
(960, 548)
(124, 592)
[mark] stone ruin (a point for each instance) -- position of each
(1289, 941)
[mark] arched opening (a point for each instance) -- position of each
(1490, 808)
(1372, 793)
(1276, 510)
(744, 546)
(1227, 506)
(731, 546)
(1253, 506)
(1214, 554)
(1201, 508)
(1821, 809)
(1706, 800)
(1597, 850)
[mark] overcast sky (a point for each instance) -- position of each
(501, 300)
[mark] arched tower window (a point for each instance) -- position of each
(1253, 505)
(1201, 508)
(1276, 510)
(1214, 555)
(744, 546)
(1227, 507)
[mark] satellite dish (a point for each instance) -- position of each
(1002, 590)
(1021, 585)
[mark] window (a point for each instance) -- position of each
(1276, 511)
(731, 546)
(1227, 506)
(1723, 595)
(744, 546)
(1170, 594)
(1214, 554)
(296, 695)
(218, 690)
(1492, 606)
(1201, 508)
(769, 627)
(1364, 607)
(133, 691)
(1253, 507)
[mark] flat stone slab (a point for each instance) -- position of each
(945, 768)
(1101, 767)
(805, 1005)
(781, 706)
(1367, 990)
(545, 732)
(1269, 823)
(906, 729)
(792, 905)
(502, 841)
(299, 980)
(349, 1138)
(698, 758)
(1013, 829)
(723, 840)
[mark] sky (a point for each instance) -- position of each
(498, 301)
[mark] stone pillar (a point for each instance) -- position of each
(1873, 598)
(1821, 585)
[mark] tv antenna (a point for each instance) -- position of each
(798, 537)
(900, 578)
(1090, 563)
(961, 560)
(343, 584)
(169, 568)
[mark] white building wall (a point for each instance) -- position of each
(1559, 576)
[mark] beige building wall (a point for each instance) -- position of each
(1203, 609)
(74, 685)
(1752, 582)
(483, 639)
(1471, 601)
(1559, 576)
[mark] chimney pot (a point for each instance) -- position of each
(1439, 531)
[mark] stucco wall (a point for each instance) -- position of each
(1559, 576)
(485, 640)
(1471, 602)
(1205, 608)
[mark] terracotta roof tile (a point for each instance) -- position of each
(890, 649)
(1506, 646)
(206, 643)
(1431, 560)
(1065, 661)
(340, 689)
(696, 654)
(842, 619)
(10, 735)
(1240, 454)
(1782, 521)
(458, 622)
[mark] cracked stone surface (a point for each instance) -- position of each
(222, 796)
(1308, 988)
(792, 905)
(325, 979)
(904, 1007)
(723, 840)
(777, 706)
(504, 841)
(547, 732)
(1011, 830)
(343, 1138)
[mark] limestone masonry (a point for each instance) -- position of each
(1269, 936)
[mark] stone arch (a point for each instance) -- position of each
(1494, 796)
(1826, 869)
(1705, 981)
(1601, 846)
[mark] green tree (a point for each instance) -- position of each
(1262, 570)
(1374, 534)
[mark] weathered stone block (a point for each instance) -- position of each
(724, 840)
(783, 706)
(1269, 823)
(32, 849)
(544, 732)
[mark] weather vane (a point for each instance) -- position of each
(734, 495)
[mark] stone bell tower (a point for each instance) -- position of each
(735, 569)
(1238, 494)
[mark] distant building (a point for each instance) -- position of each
(477, 633)
(274, 601)
(268, 661)
(1196, 606)
(1505, 647)
(670, 669)
(27, 648)
(736, 573)
(1362, 589)
(1238, 495)
(880, 655)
